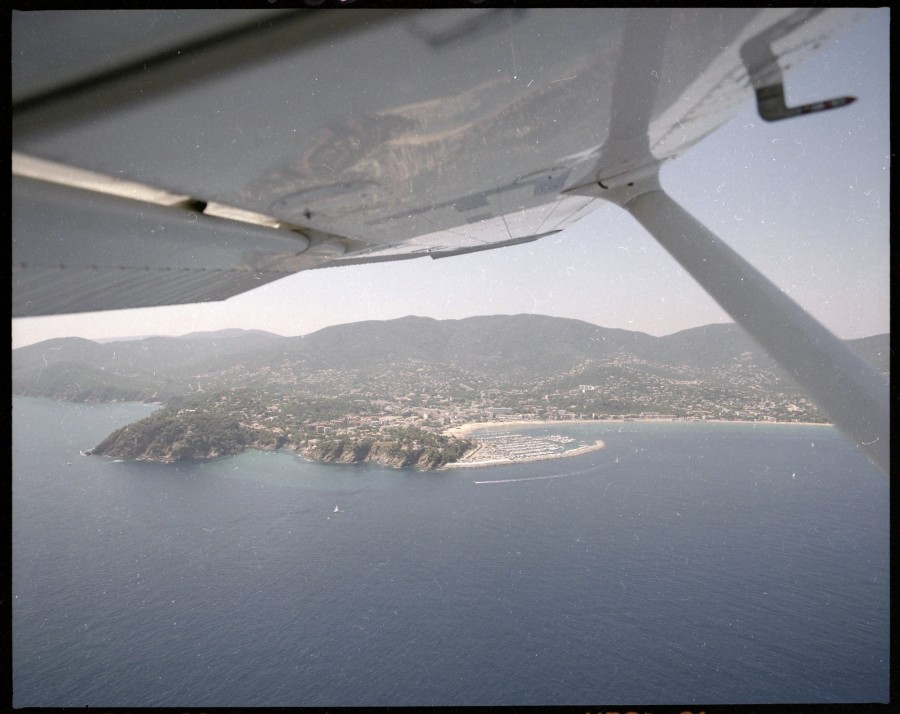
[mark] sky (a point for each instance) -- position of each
(805, 200)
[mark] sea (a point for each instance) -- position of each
(683, 563)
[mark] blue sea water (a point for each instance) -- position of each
(684, 563)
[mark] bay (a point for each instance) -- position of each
(710, 563)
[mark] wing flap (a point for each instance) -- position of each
(76, 250)
(64, 289)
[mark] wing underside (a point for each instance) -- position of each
(257, 144)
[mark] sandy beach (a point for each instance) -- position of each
(473, 460)
(465, 429)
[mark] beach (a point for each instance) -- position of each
(486, 454)
(464, 430)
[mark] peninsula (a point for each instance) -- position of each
(206, 429)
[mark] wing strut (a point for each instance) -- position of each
(851, 392)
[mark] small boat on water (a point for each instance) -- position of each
(337, 510)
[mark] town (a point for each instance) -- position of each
(334, 414)
(396, 392)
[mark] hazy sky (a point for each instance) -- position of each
(805, 200)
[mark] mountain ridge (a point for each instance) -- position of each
(388, 390)
(504, 348)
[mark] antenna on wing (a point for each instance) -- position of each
(767, 78)
(772, 107)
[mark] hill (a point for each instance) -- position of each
(487, 351)
(387, 391)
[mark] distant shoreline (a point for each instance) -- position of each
(464, 430)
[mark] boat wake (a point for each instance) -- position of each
(539, 478)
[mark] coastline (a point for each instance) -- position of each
(464, 430)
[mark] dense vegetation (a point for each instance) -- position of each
(170, 435)
(219, 424)
(403, 447)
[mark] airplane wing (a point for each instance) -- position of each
(164, 157)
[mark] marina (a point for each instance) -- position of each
(495, 449)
